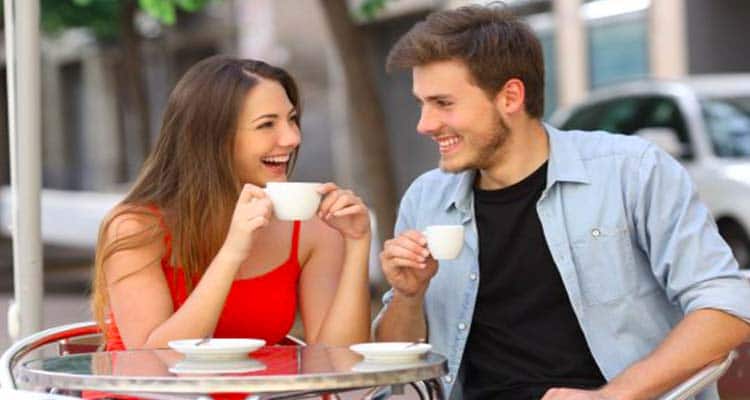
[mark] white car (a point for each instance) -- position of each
(703, 121)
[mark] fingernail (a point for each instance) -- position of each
(425, 253)
(422, 266)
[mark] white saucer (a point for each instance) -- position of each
(391, 351)
(217, 349)
(189, 366)
(375, 366)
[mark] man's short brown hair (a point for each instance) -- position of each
(495, 45)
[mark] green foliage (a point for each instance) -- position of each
(166, 10)
(370, 8)
(103, 16)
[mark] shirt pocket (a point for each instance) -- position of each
(604, 262)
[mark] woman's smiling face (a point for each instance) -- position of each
(267, 134)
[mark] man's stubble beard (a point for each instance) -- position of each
(488, 149)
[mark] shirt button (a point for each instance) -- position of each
(461, 326)
(473, 276)
(448, 379)
(595, 232)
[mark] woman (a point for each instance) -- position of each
(193, 250)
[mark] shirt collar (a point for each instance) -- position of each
(564, 165)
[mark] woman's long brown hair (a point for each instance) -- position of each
(189, 175)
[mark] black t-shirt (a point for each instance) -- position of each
(524, 336)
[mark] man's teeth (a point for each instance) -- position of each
(447, 142)
(276, 159)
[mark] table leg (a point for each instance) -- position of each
(435, 389)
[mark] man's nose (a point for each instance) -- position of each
(428, 123)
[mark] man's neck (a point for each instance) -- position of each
(525, 150)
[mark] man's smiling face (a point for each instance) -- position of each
(458, 115)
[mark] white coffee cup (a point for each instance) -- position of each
(444, 241)
(293, 201)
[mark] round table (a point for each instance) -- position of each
(272, 369)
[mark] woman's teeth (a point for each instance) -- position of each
(276, 159)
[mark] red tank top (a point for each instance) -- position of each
(262, 307)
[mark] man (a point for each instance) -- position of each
(589, 270)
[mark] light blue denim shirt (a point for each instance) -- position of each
(634, 246)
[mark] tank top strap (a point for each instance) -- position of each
(295, 240)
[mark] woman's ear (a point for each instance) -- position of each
(510, 99)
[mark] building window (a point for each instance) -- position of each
(617, 48)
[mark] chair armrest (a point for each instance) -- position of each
(709, 374)
(34, 341)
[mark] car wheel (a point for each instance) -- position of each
(738, 241)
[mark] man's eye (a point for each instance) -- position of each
(443, 103)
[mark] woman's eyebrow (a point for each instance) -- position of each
(266, 116)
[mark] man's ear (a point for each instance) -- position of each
(511, 97)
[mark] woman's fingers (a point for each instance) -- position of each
(344, 200)
(350, 210)
(326, 188)
(328, 200)
(257, 222)
(249, 192)
(260, 206)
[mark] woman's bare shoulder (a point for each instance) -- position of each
(133, 240)
(127, 220)
(316, 235)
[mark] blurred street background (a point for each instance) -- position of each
(108, 67)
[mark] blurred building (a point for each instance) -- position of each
(88, 130)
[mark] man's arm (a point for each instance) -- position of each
(702, 337)
(402, 320)
(408, 268)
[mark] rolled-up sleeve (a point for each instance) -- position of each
(687, 255)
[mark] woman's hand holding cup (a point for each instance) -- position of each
(344, 211)
(252, 211)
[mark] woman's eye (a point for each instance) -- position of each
(265, 125)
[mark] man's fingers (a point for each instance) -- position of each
(415, 236)
(397, 251)
(400, 262)
(402, 242)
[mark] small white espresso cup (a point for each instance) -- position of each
(444, 241)
(293, 201)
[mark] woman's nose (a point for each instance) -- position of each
(290, 137)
